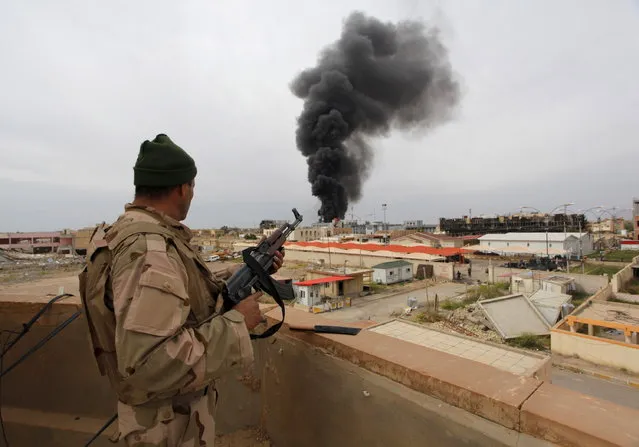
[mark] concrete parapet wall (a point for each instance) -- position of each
(624, 275)
(597, 350)
(602, 294)
(628, 297)
(316, 390)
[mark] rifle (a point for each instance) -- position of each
(254, 274)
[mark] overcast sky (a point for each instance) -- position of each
(548, 115)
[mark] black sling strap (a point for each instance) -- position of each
(268, 285)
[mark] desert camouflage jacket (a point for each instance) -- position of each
(169, 338)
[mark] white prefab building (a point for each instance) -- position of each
(392, 272)
(539, 244)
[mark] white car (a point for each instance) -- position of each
(212, 258)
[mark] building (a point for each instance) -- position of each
(392, 272)
(204, 240)
(312, 292)
(514, 223)
(629, 244)
(419, 225)
(532, 281)
(601, 332)
(635, 218)
(369, 254)
(41, 242)
(573, 245)
(429, 240)
(335, 289)
(305, 234)
(607, 225)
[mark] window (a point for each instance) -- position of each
(407, 269)
(390, 273)
(302, 294)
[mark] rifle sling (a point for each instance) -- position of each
(269, 286)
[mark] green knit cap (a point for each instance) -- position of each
(163, 163)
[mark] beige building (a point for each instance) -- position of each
(352, 287)
(607, 225)
(81, 239)
(204, 240)
(429, 240)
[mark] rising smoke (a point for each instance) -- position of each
(376, 77)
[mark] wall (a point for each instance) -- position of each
(595, 350)
(440, 269)
(624, 275)
(627, 297)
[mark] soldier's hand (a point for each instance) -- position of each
(278, 260)
(251, 310)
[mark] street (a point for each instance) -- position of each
(378, 308)
(602, 389)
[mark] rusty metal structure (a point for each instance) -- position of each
(514, 223)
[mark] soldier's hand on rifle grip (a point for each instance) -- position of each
(278, 260)
(251, 310)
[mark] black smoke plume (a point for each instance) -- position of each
(377, 76)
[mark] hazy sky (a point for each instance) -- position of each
(548, 113)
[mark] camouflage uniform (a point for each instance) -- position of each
(170, 341)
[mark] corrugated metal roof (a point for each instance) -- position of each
(328, 279)
(391, 264)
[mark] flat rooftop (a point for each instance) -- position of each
(510, 360)
(610, 311)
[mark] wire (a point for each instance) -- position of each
(4, 431)
(104, 427)
(42, 342)
(27, 326)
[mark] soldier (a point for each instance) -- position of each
(154, 310)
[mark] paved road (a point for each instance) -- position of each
(602, 389)
(379, 309)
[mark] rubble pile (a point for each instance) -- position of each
(469, 320)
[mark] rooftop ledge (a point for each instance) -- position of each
(523, 404)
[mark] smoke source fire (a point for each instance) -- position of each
(375, 77)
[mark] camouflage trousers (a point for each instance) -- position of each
(179, 423)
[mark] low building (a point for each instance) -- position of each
(311, 292)
(573, 245)
(335, 289)
(629, 244)
(558, 284)
(532, 281)
(392, 272)
(429, 240)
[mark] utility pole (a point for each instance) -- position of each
(565, 237)
(385, 226)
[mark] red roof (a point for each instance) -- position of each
(327, 279)
(629, 242)
(448, 251)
